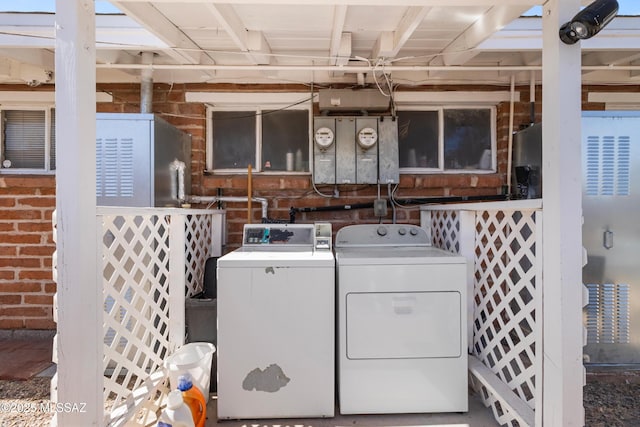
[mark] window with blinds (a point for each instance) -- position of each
(28, 140)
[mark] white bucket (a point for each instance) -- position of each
(194, 358)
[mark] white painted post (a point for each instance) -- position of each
(79, 300)
(562, 234)
(177, 280)
(468, 250)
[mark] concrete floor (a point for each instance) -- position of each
(478, 416)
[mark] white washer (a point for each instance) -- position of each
(402, 344)
(276, 324)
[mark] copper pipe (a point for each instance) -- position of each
(249, 183)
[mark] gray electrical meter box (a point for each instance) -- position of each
(324, 150)
(389, 163)
(345, 150)
(141, 160)
(356, 150)
(366, 150)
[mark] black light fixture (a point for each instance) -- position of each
(589, 21)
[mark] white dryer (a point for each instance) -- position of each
(402, 344)
(276, 324)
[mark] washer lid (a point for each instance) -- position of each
(246, 257)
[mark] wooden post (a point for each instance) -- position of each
(562, 234)
(79, 299)
(249, 193)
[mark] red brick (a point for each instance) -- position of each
(35, 274)
(7, 226)
(19, 214)
(23, 311)
(21, 287)
(50, 288)
(36, 250)
(40, 323)
(7, 250)
(7, 202)
(38, 299)
(12, 323)
(7, 275)
(23, 238)
(43, 226)
(13, 191)
(37, 201)
(19, 262)
(12, 299)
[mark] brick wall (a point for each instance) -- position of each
(26, 202)
(26, 285)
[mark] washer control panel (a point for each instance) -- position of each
(313, 236)
(278, 234)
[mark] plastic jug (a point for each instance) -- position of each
(176, 414)
(194, 399)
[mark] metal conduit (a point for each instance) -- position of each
(214, 199)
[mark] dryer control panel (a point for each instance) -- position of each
(379, 235)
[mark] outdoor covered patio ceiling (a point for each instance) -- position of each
(320, 41)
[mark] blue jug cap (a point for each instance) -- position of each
(184, 382)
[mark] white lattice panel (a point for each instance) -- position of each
(501, 244)
(198, 236)
(136, 316)
(493, 401)
(445, 230)
(141, 250)
(504, 322)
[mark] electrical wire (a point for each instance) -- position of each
(393, 206)
(264, 113)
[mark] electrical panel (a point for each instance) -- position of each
(367, 150)
(355, 150)
(389, 163)
(345, 150)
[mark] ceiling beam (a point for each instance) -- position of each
(253, 43)
(611, 58)
(634, 74)
(184, 50)
(451, 3)
(340, 45)
(40, 57)
(389, 43)
(463, 48)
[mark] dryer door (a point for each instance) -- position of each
(398, 325)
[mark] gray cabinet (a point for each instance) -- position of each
(611, 235)
(141, 160)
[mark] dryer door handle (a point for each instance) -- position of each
(403, 305)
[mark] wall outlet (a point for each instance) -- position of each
(380, 207)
